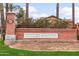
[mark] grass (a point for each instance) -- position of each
(6, 51)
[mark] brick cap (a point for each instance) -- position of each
(10, 13)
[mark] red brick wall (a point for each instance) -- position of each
(63, 34)
(10, 27)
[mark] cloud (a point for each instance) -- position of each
(36, 15)
(34, 12)
(31, 9)
(66, 12)
(43, 15)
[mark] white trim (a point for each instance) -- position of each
(40, 35)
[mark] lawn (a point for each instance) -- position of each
(6, 51)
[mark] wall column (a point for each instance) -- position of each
(10, 36)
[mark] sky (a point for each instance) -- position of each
(37, 10)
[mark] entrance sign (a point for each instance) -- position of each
(40, 35)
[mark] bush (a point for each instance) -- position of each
(60, 24)
(42, 23)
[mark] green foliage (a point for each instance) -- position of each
(26, 23)
(20, 17)
(21, 13)
(60, 24)
(43, 23)
(11, 6)
(6, 6)
(15, 7)
(1, 42)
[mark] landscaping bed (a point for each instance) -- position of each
(6, 51)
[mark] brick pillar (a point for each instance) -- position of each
(10, 36)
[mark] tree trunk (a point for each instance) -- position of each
(27, 12)
(73, 14)
(11, 7)
(2, 20)
(7, 8)
(57, 10)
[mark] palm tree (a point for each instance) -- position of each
(2, 20)
(7, 8)
(27, 13)
(73, 14)
(57, 10)
(11, 7)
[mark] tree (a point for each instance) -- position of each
(42, 23)
(26, 24)
(20, 17)
(60, 24)
(57, 10)
(7, 8)
(11, 7)
(22, 22)
(21, 13)
(73, 14)
(27, 8)
(2, 20)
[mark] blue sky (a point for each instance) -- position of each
(46, 9)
